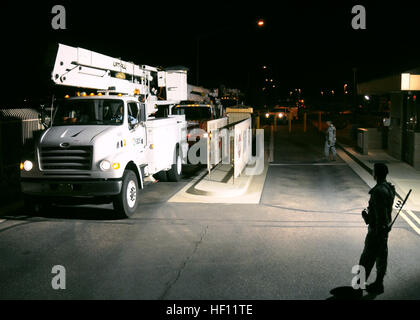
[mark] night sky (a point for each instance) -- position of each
(308, 45)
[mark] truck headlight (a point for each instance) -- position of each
(27, 165)
(105, 165)
(267, 115)
(281, 115)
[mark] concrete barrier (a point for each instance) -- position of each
(242, 146)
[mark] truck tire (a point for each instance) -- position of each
(125, 204)
(174, 174)
(161, 176)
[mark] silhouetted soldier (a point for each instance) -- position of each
(378, 217)
(330, 139)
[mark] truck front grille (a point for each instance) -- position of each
(71, 158)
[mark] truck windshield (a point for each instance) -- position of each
(88, 112)
(194, 113)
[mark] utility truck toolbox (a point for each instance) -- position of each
(103, 144)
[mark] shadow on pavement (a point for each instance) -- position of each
(348, 293)
(78, 210)
(190, 171)
(78, 213)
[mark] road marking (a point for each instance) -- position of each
(365, 176)
(412, 225)
(413, 216)
(2, 220)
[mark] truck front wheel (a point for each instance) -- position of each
(125, 204)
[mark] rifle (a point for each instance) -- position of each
(400, 206)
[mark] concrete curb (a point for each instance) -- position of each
(359, 162)
(222, 189)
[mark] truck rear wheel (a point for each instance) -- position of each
(174, 174)
(125, 204)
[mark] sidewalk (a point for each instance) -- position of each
(220, 183)
(401, 175)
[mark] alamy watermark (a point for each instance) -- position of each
(359, 280)
(58, 282)
(359, 20)
(198, 152)
(59, 20)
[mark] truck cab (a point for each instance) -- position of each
(197, 115)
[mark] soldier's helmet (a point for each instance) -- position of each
(380, 170)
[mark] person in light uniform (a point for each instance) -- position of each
(330, 139)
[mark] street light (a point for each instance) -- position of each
(260, 23)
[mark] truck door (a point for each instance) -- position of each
(136, 127)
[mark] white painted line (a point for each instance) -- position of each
(413, 216)
(412, 225)
(366, 177)
(2, 220)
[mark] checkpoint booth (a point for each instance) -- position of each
(403, 136)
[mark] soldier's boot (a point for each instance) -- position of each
(375, 288)
(378, 286)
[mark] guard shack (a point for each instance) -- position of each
(403, 91)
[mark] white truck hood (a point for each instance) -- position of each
(76, 135)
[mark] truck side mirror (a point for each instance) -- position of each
(142, 113)
(44, 119)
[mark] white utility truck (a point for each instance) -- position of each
(104, 144)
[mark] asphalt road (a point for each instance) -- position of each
(299, 242)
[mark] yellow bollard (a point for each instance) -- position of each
(305, 118)
(290, 122)
(257, 121)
